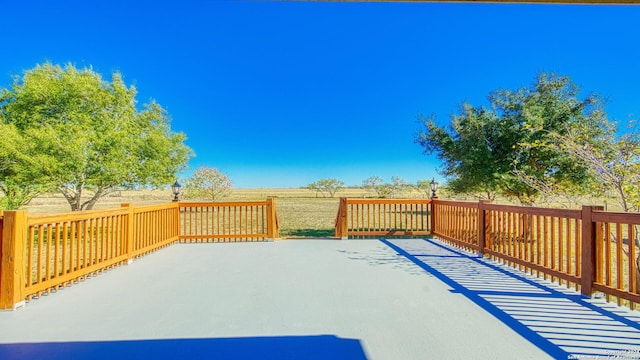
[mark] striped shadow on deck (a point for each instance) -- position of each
(557, 320)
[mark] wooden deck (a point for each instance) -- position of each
(316, 299)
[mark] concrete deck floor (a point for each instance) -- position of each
(317, 299)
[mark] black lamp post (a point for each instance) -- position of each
(175, 188)
(434, 188)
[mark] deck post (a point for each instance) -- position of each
(482, 226)
(590, 235)
(177, 225)
(272, 219)
(433, 222)
(343, 226)
(128, 232)
(12, 253)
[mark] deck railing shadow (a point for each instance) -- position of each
(380, 256)
(558, 320)
(589, 249)
(245, 348)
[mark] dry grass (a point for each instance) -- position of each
(307, 217)
(301, 213)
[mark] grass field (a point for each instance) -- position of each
(300, 213)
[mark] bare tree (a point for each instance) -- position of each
(372, 184)
(327, 186)
(614, 163)
(209, 183)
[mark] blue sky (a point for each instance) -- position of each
(280, 94)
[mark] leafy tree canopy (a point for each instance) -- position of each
(86, 135)
(21, 177)
(503, 147)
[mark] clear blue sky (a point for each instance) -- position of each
(280, 94)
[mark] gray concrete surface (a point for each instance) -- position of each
(556, 319)
(401, 299)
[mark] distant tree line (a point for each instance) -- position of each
(375, 186)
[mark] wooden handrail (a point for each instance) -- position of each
(62, 249)
(590, 249)
(383, 218)
(228, 221)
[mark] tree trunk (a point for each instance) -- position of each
(73, 195)
(100, 192)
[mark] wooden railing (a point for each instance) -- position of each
(62, 249)
(44, 253)
(66, 248)
(615, 269)
(154, 227)
(545, 240)
(228, 221)
(362, 218)
(588, 249)
(457, 223)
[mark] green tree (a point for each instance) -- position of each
(400, 187)
(314, 186)
(208, 182)
(328, 186)
(88, 134)
(397, 188)
(424, 187)
(501, 148)
(21, 177)
(372, 184)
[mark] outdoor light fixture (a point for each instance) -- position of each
(175, 188)
(434, 188)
